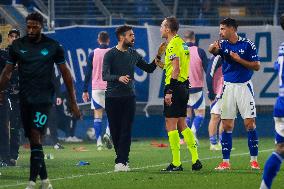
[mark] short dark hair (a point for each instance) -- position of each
(36, 17)
(282, 21)
(15, 31)
(230, 22)
(189, 34)
(121, 30)
(103, 36)
(172, 23)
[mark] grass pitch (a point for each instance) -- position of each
(146, 162)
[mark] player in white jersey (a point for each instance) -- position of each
(95, 62)
(273, 164)
(198, 65)
(215, 80)
(240, 59)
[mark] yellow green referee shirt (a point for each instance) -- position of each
(177, 48)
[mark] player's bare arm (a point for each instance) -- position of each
(70, 88)
(254, 65)
(161, 52)
(6, 75)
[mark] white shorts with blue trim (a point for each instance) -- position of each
(196, 101)
(98, 99)
(279, 128)
(215, 107)
(238, 96)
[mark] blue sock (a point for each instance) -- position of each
(226, 144)
(98, 127)
(197, 122)
(187, 121)
(253, 142)
(220, 137)
(271, 168)
(213, 139)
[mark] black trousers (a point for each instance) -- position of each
(4, 129)
(15, 126)
(120, 112)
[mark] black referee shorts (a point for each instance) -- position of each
(34, 116)
(180, 96)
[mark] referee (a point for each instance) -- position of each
(176, 94)
(118, 70)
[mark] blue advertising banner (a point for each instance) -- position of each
(79, 41)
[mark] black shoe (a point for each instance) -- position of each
(197, 166)
(171, 168)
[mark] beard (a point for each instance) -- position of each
(128, 44)
(33, 37)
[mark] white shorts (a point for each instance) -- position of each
(279, 125)
(238, 96)
(196, 101)
(215, 107)
(98, 99)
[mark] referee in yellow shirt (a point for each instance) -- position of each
(176, 94)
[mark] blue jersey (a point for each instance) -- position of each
(233, 71)
(279, 67)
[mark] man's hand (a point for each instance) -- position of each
(124, 79)
(168, 99)
(162, 49)
(75, 110)
(85, 96)
(214, 47)
(58, 101)
(159, 63)
(235, 56)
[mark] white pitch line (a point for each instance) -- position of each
(137, 168)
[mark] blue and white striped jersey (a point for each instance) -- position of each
(278, 66)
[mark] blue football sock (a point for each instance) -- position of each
(226, 144)
(197, 122)
(271, 168)
(253, 142)
(98, 127)
(220, 137)
(187, 121)
(213, 140)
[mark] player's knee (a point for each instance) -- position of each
(35, 137)
(215, 118)
(249, 124)
(228, 125)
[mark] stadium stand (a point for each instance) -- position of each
(138, 12)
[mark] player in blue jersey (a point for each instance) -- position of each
(273, 164)
(240, 59)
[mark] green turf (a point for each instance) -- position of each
(146, 162)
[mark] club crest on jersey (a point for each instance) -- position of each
(44, 52)
(241, 51)
(23, 51)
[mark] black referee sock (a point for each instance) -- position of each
(36, 162)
